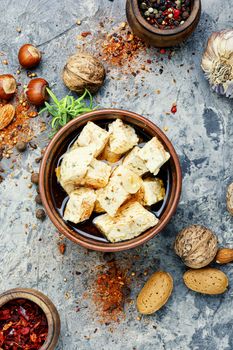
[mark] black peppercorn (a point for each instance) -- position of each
(40, 214)
(21, 146)
(38, 199)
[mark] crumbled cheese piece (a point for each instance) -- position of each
(154, 155)
(80, 205)
(134, 163)
(98, 208)
(122, 137)
(92, 134)
(131, 220)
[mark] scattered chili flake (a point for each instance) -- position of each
(62, 248)
(85, 34)
(121, 47)
(174, 108)
(111, 291)
(23, 325)
(162, 51)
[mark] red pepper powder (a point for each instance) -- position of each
(111, 293)
(23, 325)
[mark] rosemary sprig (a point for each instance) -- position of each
(66, 109)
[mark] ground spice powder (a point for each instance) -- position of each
(111, 292)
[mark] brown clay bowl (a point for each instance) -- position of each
(47, 307)
(161, 37)
(85, 233)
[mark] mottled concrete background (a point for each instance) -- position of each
(202, 133)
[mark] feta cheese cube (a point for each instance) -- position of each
(80, 205)
(92, 134)
(154, 155)
(75, 163)
(131, 220)
(122, 184)
(133, 162)
(109, 156)
(122, 137)
(153, 191)
(97, 174)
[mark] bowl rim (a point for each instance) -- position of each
(167, 32)
(134, 242)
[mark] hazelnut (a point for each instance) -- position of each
(40, 214)
(196, 245)
(35, 178)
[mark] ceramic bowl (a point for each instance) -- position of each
(47, 307)
(53, 196)
(161, 37)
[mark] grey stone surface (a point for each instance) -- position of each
(202, 134)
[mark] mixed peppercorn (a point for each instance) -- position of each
(165, 14)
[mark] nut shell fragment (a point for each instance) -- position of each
(7, 113)
(196, 246)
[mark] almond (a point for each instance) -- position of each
(7, 113)
(229, 198)
(206, 280)
(224, 256)
(155, 293)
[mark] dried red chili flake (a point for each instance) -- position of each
(62, 248)
(111, 292)
(174, 108)
(162, 51)
(23, 325)
(121, 47)
(85, 34)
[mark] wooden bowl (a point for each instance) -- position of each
(47, 180)
(161, 37)
(45, 304)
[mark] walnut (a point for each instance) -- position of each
(230, 198)
(196, 246)
(83, 71)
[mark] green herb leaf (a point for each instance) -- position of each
(66, 109)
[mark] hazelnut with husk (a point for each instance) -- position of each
(196, 245)
(83, 71)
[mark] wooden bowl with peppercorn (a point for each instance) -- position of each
(163, 23)
(28, 319)
(110, 214)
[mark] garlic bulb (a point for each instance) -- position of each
(217, 62)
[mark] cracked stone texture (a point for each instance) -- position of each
(202, 134)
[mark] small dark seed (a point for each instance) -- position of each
(40, 214)
(38, 199)
(21, 146)
(35, 178)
